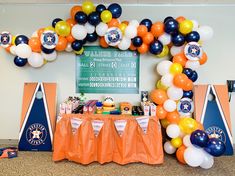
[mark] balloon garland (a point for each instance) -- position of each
(180, 37)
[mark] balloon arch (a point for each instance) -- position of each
(181, 38)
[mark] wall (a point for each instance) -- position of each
(24, 19)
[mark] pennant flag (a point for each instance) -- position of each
(97, 125)
(75, 123)
(143, 123)
(120, 126)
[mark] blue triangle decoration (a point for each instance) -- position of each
(215, 127)
(36, 134)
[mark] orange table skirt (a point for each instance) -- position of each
(84, 147)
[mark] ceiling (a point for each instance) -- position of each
(120, 1)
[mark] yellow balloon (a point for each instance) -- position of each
(79, 52)
(106, 16)
(45, 62)
(49, 28)
(164, 52)
(188, 125)
(186, 26)
(88, 7)
(122, 27)
(159, 85)
(62, 28)
(176, 68)
(176, 142)
(165, 123)
(13, 38)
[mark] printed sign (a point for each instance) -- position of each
(107, 71)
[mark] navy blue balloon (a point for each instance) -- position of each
(156, 47)
(199, 138)
(20, 39)
(193, 36)
(215, 147)
(47, 51)
(115, 9)
(147, 22)
(168, 18)
(188, 94)
(91, 37)
(100, 8)
(56, 20)
(188, 72)
(137, 41)
(178, 39)
(20, 62)
(81, 17)
(77, 45)
(194, 76)
(94, 18)
(84, 41)
(171, 26)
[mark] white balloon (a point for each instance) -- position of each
(169, 148)
(124, 44)
(101, 29)
(195, 25)
(68, 48)
(90, 28)
(169, 105)
(205, 32)
(49, 57)
(79, 32)
(208, 161)
(167, 79)
(173, 130)
(134, 23)
(23, 50)
(175, 93)
(35, 34)
(163, 67)
(130, 31)
(177, 49)
(165, 39)
(186, 141)
(193, 156)
(194, 65)
(36, 60)
(13, 49)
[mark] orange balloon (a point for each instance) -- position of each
(180, 154)
(113, 23)
(125, 22)
(62, 44)
(180, 19)
(143, 48)
(71, 22)
(142, 30)
(8, 48)
(40, 31)
(70, 38)
(148, 38)
(200, 126)
(74, 10)
(180, 80)
(203, 59)
(180, 58)
(157, 29)
(161, 113)
(173, 117)
(158, 96)
(35, 44)
(132, 47)
(188, 85)
(103, 43)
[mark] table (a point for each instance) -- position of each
(76, 140)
